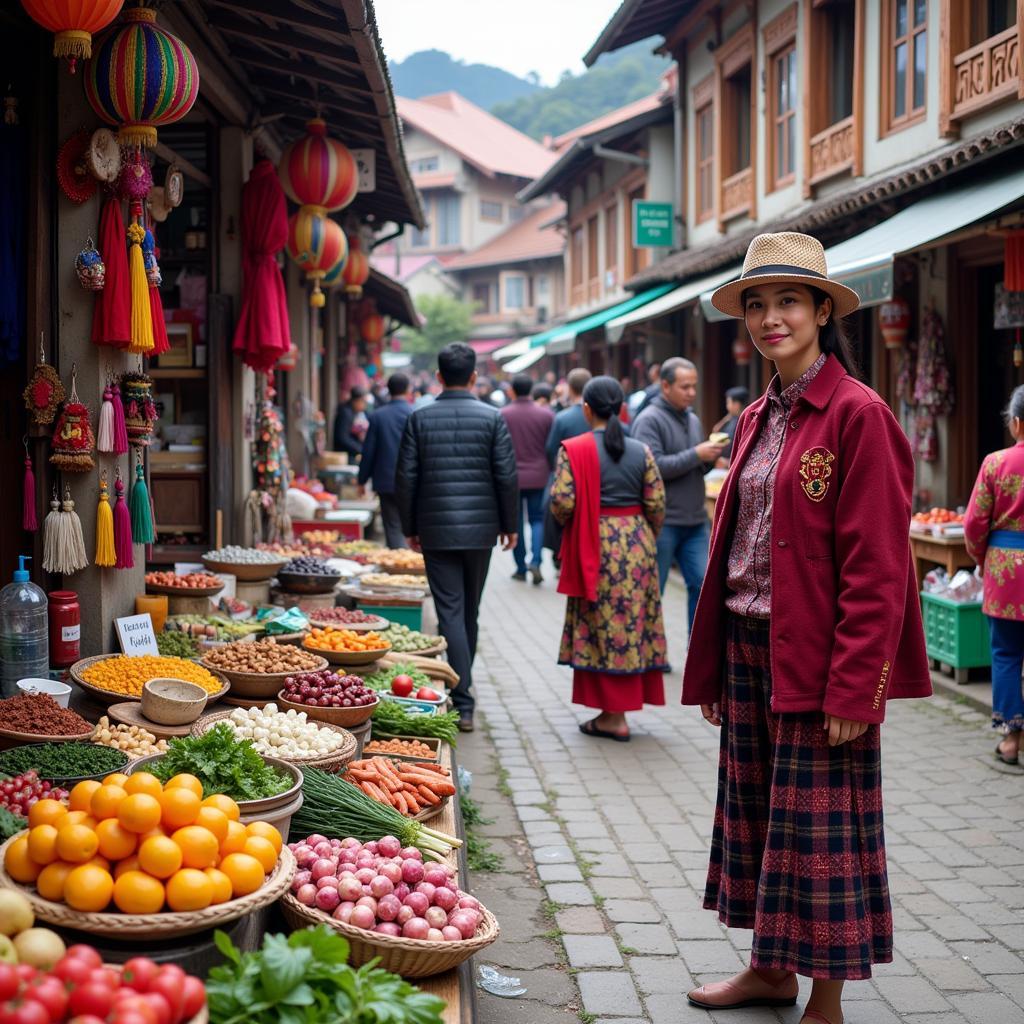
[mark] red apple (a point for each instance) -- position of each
(402, 686)
(425, 693)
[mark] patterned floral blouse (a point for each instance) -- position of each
(997, 503)
(749, 574)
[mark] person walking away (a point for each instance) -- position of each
(670, 428)
(380, 454)
(457, 492)
(345, 439)
(542, 393)
(994, 533)
(529, 424)
(808, 623)
(570, 422)
(609, 495)
(736, 400)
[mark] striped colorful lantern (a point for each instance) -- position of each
(73, 23)
(319, 171)
(372, 328)
(356, 270)
(140, 78)
(316, 244)
(334, 276)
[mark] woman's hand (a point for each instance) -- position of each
(842, 730)
(712, 712)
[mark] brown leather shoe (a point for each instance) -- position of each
(748, 988)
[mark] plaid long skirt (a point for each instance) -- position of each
(798, 852)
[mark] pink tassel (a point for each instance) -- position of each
(28, 515)
(122, 528)
(120, 430)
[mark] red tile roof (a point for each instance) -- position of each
(534, 238)
(613, 117)
(434, 179)
(488, 144)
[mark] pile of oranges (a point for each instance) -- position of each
(330, 639)
(142, 846)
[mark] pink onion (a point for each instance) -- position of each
(411, 853)
(402, 890)
(305, 857)
(427, 889)
(435, 874)
(388, 928)
(418, 902)
(343, 912)
(327, 898)
(307, 895)
(388, 907)
(405, 914)
(323, 867)
(368, 902)
(389, 846)
(351, 844)
(371, 847)
(436, 917)
(346, 855)
(412, 871)
(300, 879)
(365, 860)
(445, 898)
(465, 924)
(415, 928)
(324, 849)
(435, 935)
(451, 934)
(349, 888)
(362, 917)
(327, 880)
(392, 872)
(366, 875)
(381, 886)
(470, 902)
(316, 838)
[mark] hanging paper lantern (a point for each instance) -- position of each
(333, 277)
(356, 269)
(319, 171)
(742, 351)
(372, 328)
(316, 244)
(140, 78)
(894, 321)
(73, 23)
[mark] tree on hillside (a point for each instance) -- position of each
(447, 320)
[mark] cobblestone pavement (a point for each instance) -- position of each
(605, 848)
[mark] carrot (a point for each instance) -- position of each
(414, 805)
(438, 768)
(401, 805)
(372, 791)
(432, 798)
(386, 768)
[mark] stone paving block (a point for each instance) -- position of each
(915, 945)
(990, 957)
(559, 873)
(907, 995)
(952, 974)
(958, 891)
(532, 813)
(671, 1009)
(660, 975)
(592, 951)
(519, 1011)
(935, 1018)
(617, 888)
(988, 1008)
(1010, 935)
(581, 920)
(866, 1011)
(553, 855)
(955, 926)
(695, 923)
(635, 911)
(573, 894)
(708, 956)
(586, 829)
(597, 844)
(600, 990)
(646, 853)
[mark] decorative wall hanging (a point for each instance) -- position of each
(136, 178)
(106, 555)
(933, 386)
(73, 441)
(316, 244)
(141, 77)
(104, 156)
(112, 313)
(63, 543)
(142, 313)
(44, 391)
(28, 504)
(150, 257)
(174, 186)
(894, 319)
(319, 171)
(73, 23)
(139, 410)
(122, 526)
(73, 176)
(142, 518)
(120, 430)
(355, 270)
(89, 266)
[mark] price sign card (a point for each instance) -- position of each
(136, 635)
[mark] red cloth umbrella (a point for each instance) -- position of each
(263, 334)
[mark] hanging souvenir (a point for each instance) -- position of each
(73, 168)
(105, 429)
(142, 315)
(161, 343)
(92, 274)
(149, 260)
(28, 506)
(103, 156)
(139, 410)
(125, 557)
(141, 513)
(135, 179)
(72, 437)
(73, 24)
(63, 543)
(120, 430)
(105, 553)
(44, 391)
(112, 314)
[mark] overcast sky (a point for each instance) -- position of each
(546, 36)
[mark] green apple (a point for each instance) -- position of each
(8, 954)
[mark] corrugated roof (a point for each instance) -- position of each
(488, 144)
(533, 238)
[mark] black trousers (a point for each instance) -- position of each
(393, 536)
(456, 581)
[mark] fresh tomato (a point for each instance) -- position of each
(129, 1016)
(402, 686)
(92, 997)
(9, 981)
(50, 992)
(86, 953)
(426, 693)
(72, 970)
(169, 983)
(25, 972)
(87, 1018)
(108, 976)
(17, 1011)
(195, 996)
(161, 1007)
(138, 973)
(134, 1003)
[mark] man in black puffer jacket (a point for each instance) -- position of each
(457, 492)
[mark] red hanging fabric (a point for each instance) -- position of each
(263, 334)
(1014, 260)
(112, 314)
(581, 542)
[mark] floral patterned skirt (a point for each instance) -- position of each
(621, 633)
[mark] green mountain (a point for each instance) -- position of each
(432, 71)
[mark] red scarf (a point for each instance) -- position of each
(581, 544)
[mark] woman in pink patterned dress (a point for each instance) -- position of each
(994, 531)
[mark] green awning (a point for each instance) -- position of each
(570, 331)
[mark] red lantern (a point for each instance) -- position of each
(894, 321)
(290, 359)
(371, 329)
(742, 350)
(356, 270)
(319, 171)
(73, 23)
(1013, 258)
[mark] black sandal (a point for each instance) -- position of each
(589, 728)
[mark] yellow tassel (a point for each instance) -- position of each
(142, 318)
(105, 553)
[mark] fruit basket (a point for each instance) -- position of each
(345, 717)
(110, 697)
(352, 659)
(376, 624)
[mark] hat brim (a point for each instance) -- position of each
(729, 298)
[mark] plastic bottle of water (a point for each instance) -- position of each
(24, 637)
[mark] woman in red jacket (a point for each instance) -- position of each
(807, 623)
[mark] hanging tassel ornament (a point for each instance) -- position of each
(120, 430)
(28, 509)
(142, 517)
(105, 431)
(73, 441)
(122, 527)
(142, 316)
(105, 553)
(111, 316)
(63, 543)
(139, 408)
(44, 391)
(161, 343)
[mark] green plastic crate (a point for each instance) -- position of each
(405, 615)
(956, 633)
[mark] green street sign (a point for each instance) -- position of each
(652, 223)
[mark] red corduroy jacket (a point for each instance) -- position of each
(846, 630)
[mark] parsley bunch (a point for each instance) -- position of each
(305, 979)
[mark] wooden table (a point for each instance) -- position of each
(949, 552)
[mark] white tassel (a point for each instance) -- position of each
(63, 543)
(105, 433)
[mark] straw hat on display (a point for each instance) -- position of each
(786, 257)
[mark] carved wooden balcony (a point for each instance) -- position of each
(833, 151)
(986, 74)
(738, 194)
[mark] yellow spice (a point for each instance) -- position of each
(127, 675)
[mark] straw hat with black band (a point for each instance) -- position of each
(787, 257)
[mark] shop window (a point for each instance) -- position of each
(635, 259)
(705, 162)
(734, 71)
(737, 121)
(611, 245)
(482, 297)
(447, 216)
(424, 164)
(904, 62)
(420, 238)
(781, 85)
(990, 17)
(490, 210)
(515, 292)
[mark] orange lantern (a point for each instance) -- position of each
(319, 171)
(894, 321)
(371, 328)
(317, 244)
(73, 23)
(742, 350)
(356, 270)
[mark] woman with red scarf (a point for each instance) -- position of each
(609, 495)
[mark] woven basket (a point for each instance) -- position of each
(247, 572)
(9, 738)
(145, 926)
(344, 717)
(109, 697)
(253, 685)
(431, 741)
(330, 762)
(357, 627)
(411, 958)
(349, 659)
(295, 639)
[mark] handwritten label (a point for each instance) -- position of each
(68, 634)
(136, 635)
